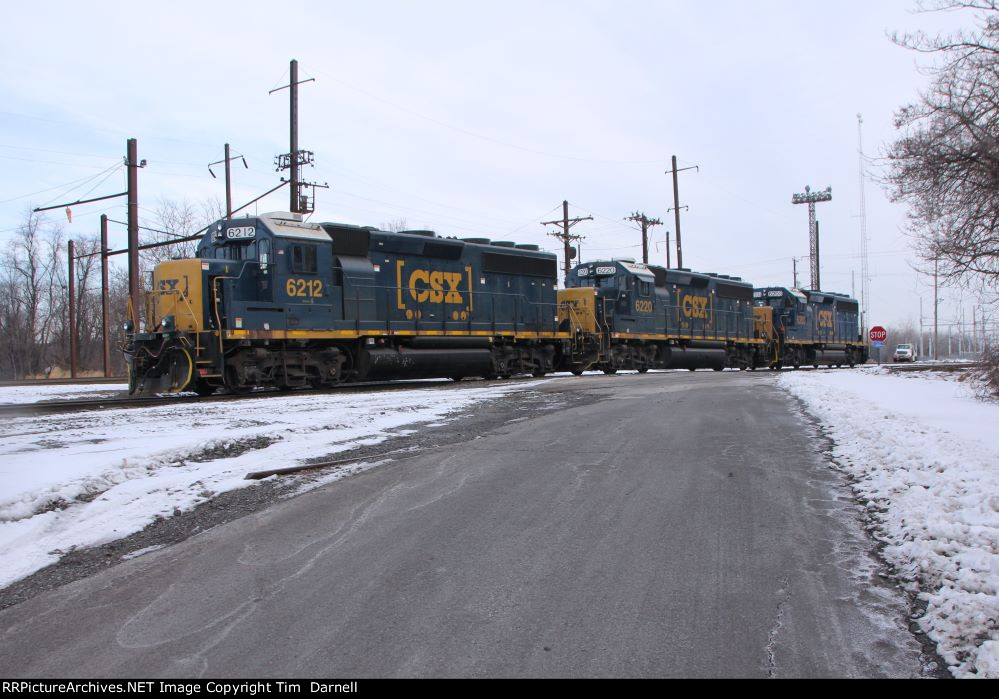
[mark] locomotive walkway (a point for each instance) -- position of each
(682, 524)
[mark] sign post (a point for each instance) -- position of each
(878, 337)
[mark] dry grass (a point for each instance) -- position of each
(988, 372)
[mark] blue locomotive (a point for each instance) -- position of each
(636, 316)
(273, 300)
(811, 328)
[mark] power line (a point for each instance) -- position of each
(487, 138)
(645, 223)
(676, 206)
(564, 234)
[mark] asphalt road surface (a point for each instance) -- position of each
(681, 524)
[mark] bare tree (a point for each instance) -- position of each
(395, 225)
(945, 163)
(175, 220)
(32, 303)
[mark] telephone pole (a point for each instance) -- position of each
(228, 177)
(936, 309)
(646, 224)
(566, 223)
(296, 158)
(105, 298)
(676, 207)
(134, 283)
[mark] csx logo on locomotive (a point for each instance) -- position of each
(825, 319)
(433, 286)
(694, 306)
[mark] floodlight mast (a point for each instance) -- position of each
(812, 198)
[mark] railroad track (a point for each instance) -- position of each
(935, 366)
(63, 406)
(24, 383)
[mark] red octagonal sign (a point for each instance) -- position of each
(878, 334)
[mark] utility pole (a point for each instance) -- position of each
(228, 177)
(105, 300)
(646, 224)
(794, 262)
(71, 255)
(921, 353)
(676, 207)
(667, 251)
(812, 198)
(936, 307)
(134, 283)
(131, 195)
(296, 158)
(566, 223)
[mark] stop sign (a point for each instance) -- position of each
(878, 334)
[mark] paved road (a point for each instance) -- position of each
(681, 525)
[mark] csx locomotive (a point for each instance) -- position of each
(273, 300)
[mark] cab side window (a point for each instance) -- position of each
(303, 259)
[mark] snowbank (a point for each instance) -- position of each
(40, 392)
(82, 479)
(925, 454)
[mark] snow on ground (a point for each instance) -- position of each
(83, 479)
(925, 453)
(38, 392)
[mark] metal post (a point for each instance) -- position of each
(565, 235)
(228, 185)
(105, 304)
(72, 310)
(134, 284)
(668, 264)
(676, 214)
(293, 91)
(816, 284)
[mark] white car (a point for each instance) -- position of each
(904, 353)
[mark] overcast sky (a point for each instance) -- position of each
(478, 119)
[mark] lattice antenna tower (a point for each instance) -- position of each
(865, 280)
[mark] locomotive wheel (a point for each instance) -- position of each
(610, 370)
(577, 372)
(539, 373)
(232, 386)
(456, 379)
(642, 370)
(717, 368)
(691, 368)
